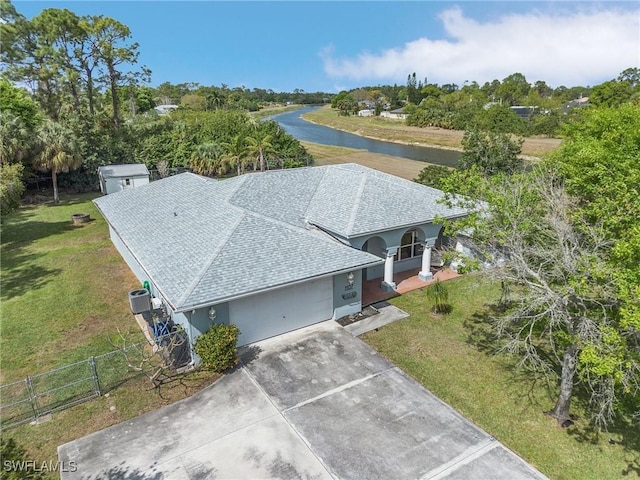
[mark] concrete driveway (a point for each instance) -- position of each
(316, 403)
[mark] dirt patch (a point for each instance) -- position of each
(400, 167)
(390, 130)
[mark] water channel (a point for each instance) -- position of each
(296, 126)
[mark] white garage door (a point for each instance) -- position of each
(279, 311)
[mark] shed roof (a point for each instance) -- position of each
(204, 241)
(123, 170)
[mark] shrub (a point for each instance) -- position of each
(438, 293)
(11, 187)
(217, 347)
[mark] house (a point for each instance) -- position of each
(576, 103)
(367, 112)
(273, 251)
(523, 111)
(114, 178)
(164, 109)
(398, 113)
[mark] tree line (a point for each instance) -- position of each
(73, 97)
(542, 111)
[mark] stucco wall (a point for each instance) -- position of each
(347, 298)
(130, 260)
(116, 184)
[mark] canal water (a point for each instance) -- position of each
(296, 126)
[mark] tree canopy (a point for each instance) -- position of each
(566, 235)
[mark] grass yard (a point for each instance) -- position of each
(393, 130)
(450, 355)
(64, 288)
(64, 294)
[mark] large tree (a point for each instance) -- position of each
(599, 161)
(259, 146)
(562, 311)
(569, 233)
(58, 152)
(491, 152)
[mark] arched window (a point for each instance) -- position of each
(410, 246)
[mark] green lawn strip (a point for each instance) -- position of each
(64, 288)
(445, 354)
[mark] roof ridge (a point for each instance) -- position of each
(198, 278)
(313, 197)
(356, 203)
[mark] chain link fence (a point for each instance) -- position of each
(37, 395)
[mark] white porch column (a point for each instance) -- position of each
(387, 283)
(425, 272)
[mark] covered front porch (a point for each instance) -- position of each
(406, 281)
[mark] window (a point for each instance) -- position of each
(127, 181)
(410, 247)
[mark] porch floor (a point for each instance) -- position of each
(405, 282)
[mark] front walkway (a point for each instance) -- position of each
(405, 282)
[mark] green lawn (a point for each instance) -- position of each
(64, 295)
(451, 356)
(64, 288)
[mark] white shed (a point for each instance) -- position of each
(114, 178)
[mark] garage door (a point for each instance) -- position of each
(279, 311)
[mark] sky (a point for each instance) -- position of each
(330, 46)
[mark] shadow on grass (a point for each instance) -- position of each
(22, 271)
(22, 232)
(20, 274)
(623, 431)
(481, 333)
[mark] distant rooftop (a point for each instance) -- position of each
(123, 170)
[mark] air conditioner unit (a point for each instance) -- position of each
(140, 300)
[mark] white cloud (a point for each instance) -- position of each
(569, 48)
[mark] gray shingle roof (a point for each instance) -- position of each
(203, 241)
(123, 170)
(198, 248)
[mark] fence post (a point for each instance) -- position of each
(94, 373)
(32, 397)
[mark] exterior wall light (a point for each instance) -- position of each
(350, 278)
(212, 314)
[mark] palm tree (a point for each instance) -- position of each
(14, 138)
(236, 152)
(206, 159)
(438, 293)
(58, 152)
(258, 146)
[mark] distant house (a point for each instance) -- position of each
(114, 178)
(577, 103)
(367, 112)
(524, 112)
(273, 251)
(398, 113)
(164, 109)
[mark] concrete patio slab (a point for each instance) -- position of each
(387, 314)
